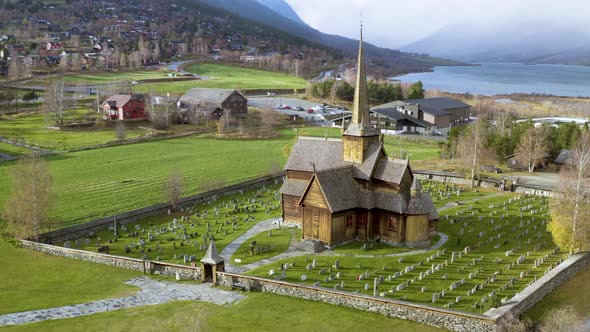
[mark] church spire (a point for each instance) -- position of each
(361, 123)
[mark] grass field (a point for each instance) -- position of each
(32, 128)
(463, 229)
(278, 243)
(226, 77)
(12, 150)
(258, 312)
(31, 280)
(575, 292)
(97, 183)
(106, 78)
(171, 241)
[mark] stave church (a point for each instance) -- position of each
(346, 189)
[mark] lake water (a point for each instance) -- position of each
(506, 78)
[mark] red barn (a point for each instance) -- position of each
(124, 107)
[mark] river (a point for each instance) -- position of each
(506, 78)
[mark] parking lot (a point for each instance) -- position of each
(273, 102)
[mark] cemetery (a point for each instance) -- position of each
(183, 236)
(265, 245)
(496, 247)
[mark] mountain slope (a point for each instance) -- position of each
(282, 8)
(525, 41)
(391, 61)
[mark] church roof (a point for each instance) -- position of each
(319, 152)
(339, 188)
(212, 256)
(293, 187)
(429, 206)
(416, 185)
(365, 170)
(391, 170)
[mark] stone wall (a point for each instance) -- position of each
(534, 293)
(181, 272)
(83, 230)
(438, 317)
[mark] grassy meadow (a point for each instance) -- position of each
(32, 280)
(226, 77)
(278, 243)
(258, 312)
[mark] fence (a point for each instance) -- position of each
(83, 230)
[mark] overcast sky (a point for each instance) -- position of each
(394, 23)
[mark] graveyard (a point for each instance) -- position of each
(496, 247)
(182, 236)
(265, 245)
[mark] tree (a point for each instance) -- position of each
(533, 148)
(416, 91)
(55, 102)
(121, 131)
(25, 212)
(15, 68)
(570, 208)
(472, 147)
(30, 95)
(174, 187)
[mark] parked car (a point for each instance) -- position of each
(310, 110)
(491, 169)
(287, 107)
(280, 107)
(299, 108)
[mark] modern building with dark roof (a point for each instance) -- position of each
(344, 189)
(441, 112)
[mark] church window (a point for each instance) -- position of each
(363, 221)
(392, 223)
(348, 221)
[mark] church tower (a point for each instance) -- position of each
(360, 134)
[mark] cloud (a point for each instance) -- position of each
(394, 23)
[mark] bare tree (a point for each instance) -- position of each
(55, 102)
(533, 148)
(26, 210)
(570, 209)
(174, 187)
(15, 68)
(472, 147)
(564, 319)
(121, 131)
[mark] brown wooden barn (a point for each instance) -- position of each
(210, 99)
(344, 189)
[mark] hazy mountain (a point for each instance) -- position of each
(525, 41)
(392, 61)
(282, 8)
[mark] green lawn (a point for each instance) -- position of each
(12, 150)
(484, 252)
(97, 183)
(575, 292)
(278, 243)
(444, 193)
(258, 312)
(107, 78)
(354, 248)
(226, 77)
(32, 128)
(170, 243)
(30, 280)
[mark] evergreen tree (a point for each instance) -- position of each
(416, 91)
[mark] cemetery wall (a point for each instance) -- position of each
(83, 230)
(534, 293)
(168, 269)
(449, 177)
(438, 317)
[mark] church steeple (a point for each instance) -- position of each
(360, 133)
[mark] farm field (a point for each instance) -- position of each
(489, 256)
(32, 129)
(97, 183)
(106, 78)
(258, 312)
(187, 233)
(226, 77)
(33, 280)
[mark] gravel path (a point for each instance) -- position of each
(152, 292)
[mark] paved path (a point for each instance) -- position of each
(152, 292)
(6, 156)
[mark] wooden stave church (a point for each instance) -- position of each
(340, 190)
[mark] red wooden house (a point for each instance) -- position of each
(124, 107)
